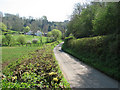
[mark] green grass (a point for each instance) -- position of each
(10, 54)
(13, 53)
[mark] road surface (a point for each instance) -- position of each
(80, 75)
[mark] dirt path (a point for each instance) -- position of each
(80, 75)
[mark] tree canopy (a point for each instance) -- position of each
(94, 19)
(22, 24)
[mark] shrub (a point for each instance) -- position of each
(7, 40)
(3, 40)
(28, 42)
(21, 39)
(69, 38)
(57, 34)
(34, 41)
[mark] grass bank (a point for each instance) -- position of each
(101, 52)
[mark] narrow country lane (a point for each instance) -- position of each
(80, 75)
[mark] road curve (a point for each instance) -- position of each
(80, 75)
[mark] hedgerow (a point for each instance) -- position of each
(101, 52)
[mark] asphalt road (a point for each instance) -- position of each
(80, 75)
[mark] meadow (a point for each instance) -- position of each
(30, 37)
(11, 53)
(13, 39)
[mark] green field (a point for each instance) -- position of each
(10, 54)
(28, 38)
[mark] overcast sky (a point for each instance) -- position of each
(55, 10)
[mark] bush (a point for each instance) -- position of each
(34, 41)
(8, 40)
(69, 38)
(3, 40)
(28, 42)
(21, 39)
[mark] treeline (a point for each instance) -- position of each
(17, 23)
(94, 36)
(94, 19)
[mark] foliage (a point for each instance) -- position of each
(3, 40)
(21, 39)
(49, 34)
(89, 21)
(56, 34)
(34, 41)
(26, 29)
(28, 42)
(106, 22)
(21, 24)
(96, 50)
(3, 27)
(8, 40)
(40, 70)
(14, 41)
(50, 39)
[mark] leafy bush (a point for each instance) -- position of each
(50, 39)
(29, 42)
(34, 41)
(57, 34)
(21, 39)
(69, 38)
(49, 34)
(8, 40)
(3, 40)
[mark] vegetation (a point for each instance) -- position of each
(10, 54)
(39, 71)
(54, 35)
(91, 36)
(7, 39)
(26, 29)
(35, 41)
(14, 40)
(13, 52)
(96, 50)
(21, 40)
(23, 67)
(23, 25)
(89, 21)
(94, 36)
